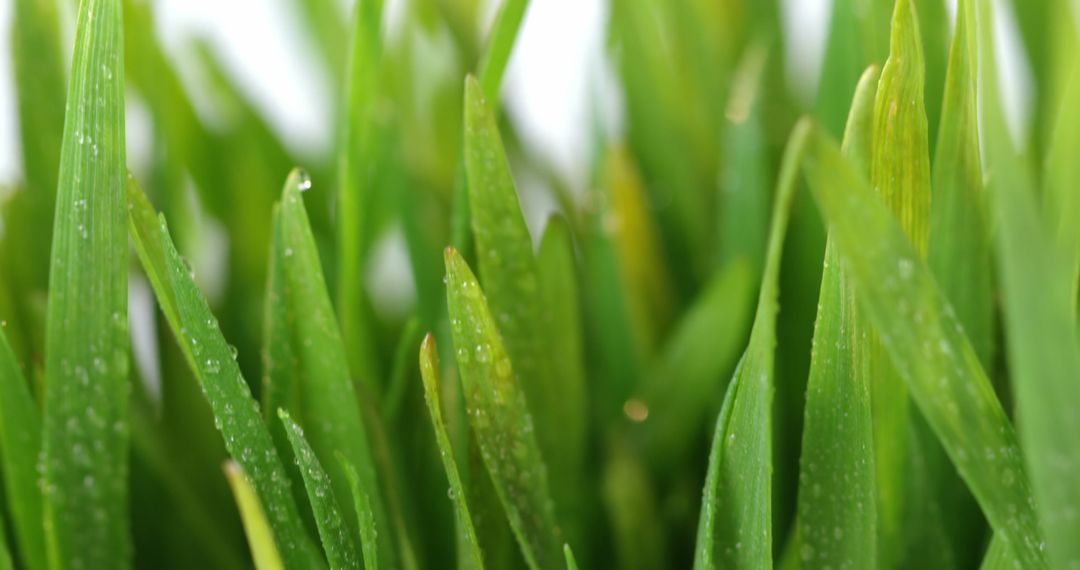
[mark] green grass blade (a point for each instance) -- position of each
(259, 534)
(630, 502)
(516, 292)
(571, 564)
(369, 543)
(919, 330)
(328, 399)
(858, 37)
(500, 417)
(336, 537)
(837, 516)
(1041, 334)
(86, 346)
(900, 171)
(735, 528)
(20, 443)
(236, 413)
(1060, 183)
(500, 45)
(469, 547)
(5, 552)
(704, 346)
(280, 385)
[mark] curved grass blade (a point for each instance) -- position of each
(690, 374)
(469, 554)
(500, 418)
(364, 514)
(336, 538)
(1042, 340)
(20, 443)
(926, 345)
(735, 528)
(259, 534)
(236, 413)
(86, 344)
(327, 396)
(516, 294)
(837, 520)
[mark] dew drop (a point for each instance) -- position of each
(233, 351)
(213, 366)
(304, 182)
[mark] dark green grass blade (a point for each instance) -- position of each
(735, 528)
(328, 398)
(357, 196)
(469, 554)
(5, 552)
(517, 296)
(704, 346)
(20, 443)
(364, 514)
(236, 413)
(86, 346)
(260, 536)
(837, 516)
(932, 356)
(336, 537)
(500, 418)
(1041, 334)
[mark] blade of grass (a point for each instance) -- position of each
(369, 543)
(924, 341)
(336, 537)
(5, 552)
(20, 443)
(837, 520)
(1062, 178)
(630, 503)
(469, 554)
(1042, 340)
(571, 564)
(85, 429)
(236, 413)
(500, 417)
(259, 534)
(280, 384)
(858, 37)
(735, 528)
(516, 294)
(328, 399)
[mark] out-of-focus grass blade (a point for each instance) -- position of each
(960, 259)
(920, 332)
(630, 502)
(39, 80)
(356, 189)
(934, 33)
(500, 45)
(1061, 181)
(837, 517)
(735, 528)
(20, 443)
(1040, 326)
(900, 171)
(236, 413)
(571, 564)
(469, 554)
(5, 552)
(517, 296)
(858, 37)
(259, 534)
(328, 399)
(704, 346)
(336, 537)
(364, 514)
(86, 345)
(500, 418)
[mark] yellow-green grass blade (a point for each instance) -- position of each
(357, 165)
(735, 526)
(260, 535)
(934, 35)
(336, 536)
(40, 90)
(571, 563)
(1040, 327)
(500, 418)
(702, 348)
(237, 415)
(1062, 177)
(919, 331)
(837, 518)
(900, 172)
(85, 429)
(20, 443)
(328, 400)
(469, 554)
(959, 255)
(364, 514)
(517, 295)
